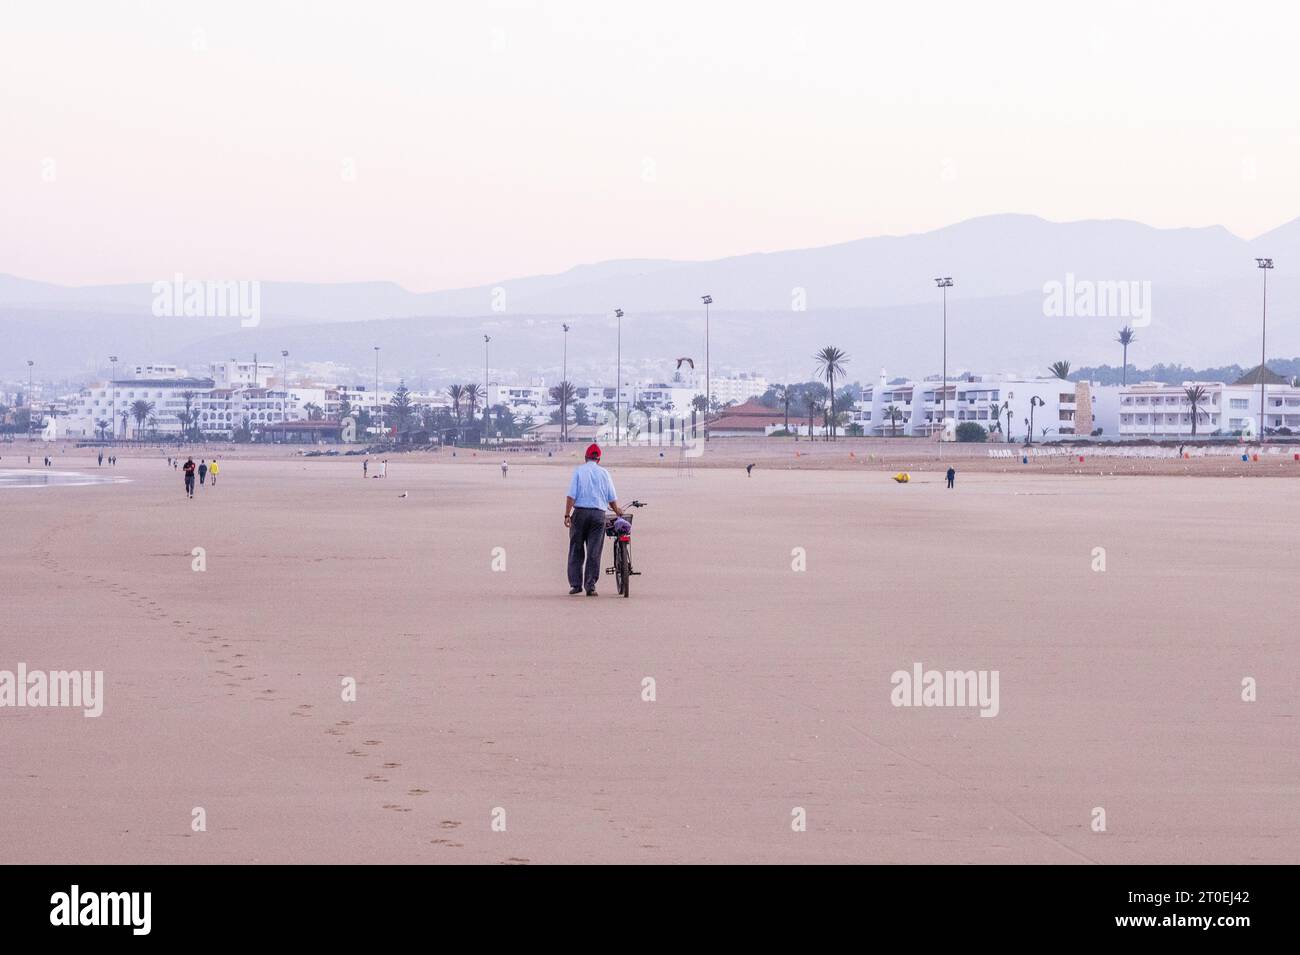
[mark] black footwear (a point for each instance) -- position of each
(574, 590)
(592, 592)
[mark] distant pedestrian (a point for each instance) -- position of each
(101, 459)
(203, 472)
(365, 467)
(189, 477)
(952, 476)
(749, 470)
(212, 472)
(383, 468)
(505, 468)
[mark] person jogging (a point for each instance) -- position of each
(189, 477)
(590, 490)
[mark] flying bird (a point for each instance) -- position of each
(689, 361)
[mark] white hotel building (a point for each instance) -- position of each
(676, 395)
(1152, 409)
(1061, 409)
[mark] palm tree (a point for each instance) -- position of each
(345, 409)
(563, 395)
(506, 422)
(124, 414)
(1061, 369)
(893, 413)
(153, 425)
(830, 362)
(456, 393)
(1195, 397)
(140, 411)
(314, 412)
(470, 394)
(812, 413)
(189, 419)
(996, 411)
(1126, 338)
(400, 407)
(102, 427)
(783, 395)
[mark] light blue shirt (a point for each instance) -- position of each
(592, 486)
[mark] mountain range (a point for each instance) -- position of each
(875, 298)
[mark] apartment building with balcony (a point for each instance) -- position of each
(1161, 411)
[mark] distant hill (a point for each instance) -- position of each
(874, 297)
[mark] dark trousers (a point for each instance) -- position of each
(587, 531)
(189, 484)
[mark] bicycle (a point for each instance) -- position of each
(620, 528)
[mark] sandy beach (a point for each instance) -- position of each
(481, 689)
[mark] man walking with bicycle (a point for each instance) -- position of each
(590, 490)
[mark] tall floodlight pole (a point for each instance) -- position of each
(1265, 265)
(30, 363)
(618, 379)
(284, 383)
(944, 283)
(487, 343)
(708, 381)
(377, 411)
(564, 386)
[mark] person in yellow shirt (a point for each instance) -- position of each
(212, 472)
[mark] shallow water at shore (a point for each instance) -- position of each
(46, 478)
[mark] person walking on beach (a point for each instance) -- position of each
(203, 472)
(383, 468)
(101, 459)
(952, 476)
(189, 477)
(505, 468)
(212, 472)
(590, 490)
(365, 467)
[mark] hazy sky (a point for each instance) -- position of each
(443, 144)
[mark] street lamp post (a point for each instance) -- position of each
(1034, 402)
(564, 386)
(487, 341)
(944, 283)
(708, 380)
(1265, 265)
(284, 384)
(378, 412)
(618, 379)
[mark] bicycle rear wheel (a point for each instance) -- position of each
(622, 569)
